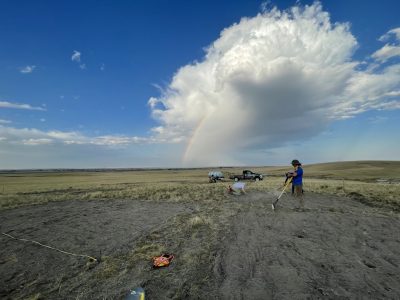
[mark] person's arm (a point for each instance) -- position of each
(293, 174)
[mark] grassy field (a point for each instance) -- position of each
(199, 233)
(373, 182)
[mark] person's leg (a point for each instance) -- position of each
(298, 190)
(236, 192)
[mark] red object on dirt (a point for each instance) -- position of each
(162, 261)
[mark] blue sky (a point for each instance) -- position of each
(76, 78)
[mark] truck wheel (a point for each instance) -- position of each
(236, 179)
(257, 179)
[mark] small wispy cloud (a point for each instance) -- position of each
(394, 31)
(5, 121)
(153, 102)
(102, 67)
(388, 50)
(27, 69)
(76, 56)
(265, 6)
(42, 120)
(5, 104)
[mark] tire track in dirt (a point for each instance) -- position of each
(337, 248)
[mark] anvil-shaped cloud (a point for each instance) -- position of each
(279, 77)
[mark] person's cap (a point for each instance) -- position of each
(295, 162)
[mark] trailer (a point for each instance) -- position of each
(214, 176)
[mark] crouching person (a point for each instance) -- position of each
(237, 188)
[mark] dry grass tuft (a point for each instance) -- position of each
(146, 251)
(11, 258)
(36, 296)
(198, 221)
(108, 268)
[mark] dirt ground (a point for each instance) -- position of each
(338, 248)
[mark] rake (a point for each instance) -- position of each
(287, 183)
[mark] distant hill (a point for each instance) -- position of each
(355, 170)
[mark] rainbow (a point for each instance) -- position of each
(191, 139)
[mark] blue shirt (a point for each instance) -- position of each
(298, 180)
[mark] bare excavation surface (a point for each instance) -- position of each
(336, 249)
(238, 248)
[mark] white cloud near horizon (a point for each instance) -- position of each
(270, 80)
(5, 104)
(2, 121)
(27, 69)
(33, 137)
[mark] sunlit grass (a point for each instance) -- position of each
(174, 186)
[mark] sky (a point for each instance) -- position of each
(125, 84)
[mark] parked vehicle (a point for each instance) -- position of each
(247, 175)
(213, 176)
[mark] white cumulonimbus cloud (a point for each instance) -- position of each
(270, 80)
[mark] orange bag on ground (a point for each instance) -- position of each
(162, 261)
